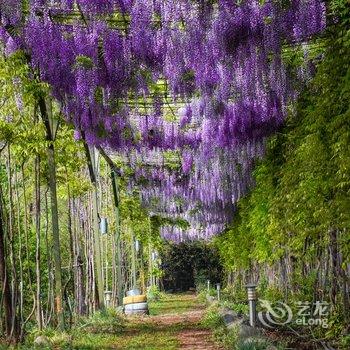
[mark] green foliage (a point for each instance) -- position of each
(212, 318)
(157, 221)
(228, 337)
(23, 134)
(239, 308)
(108, 322)
(190, 264)
(154, 294)
(302, 185)
(336, 328)
(83, 61)
(55, 338)
(273, 292)
(254, 345)
(345, 342)
(235, 293)
(174, 304)
(203, 293)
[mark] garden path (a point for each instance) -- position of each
(181, 315)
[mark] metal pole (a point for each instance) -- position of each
(150, 264)
(96, 226)
(97, 246)
(106, 275)
(252, 298)
(118, 257)
(252, 312)
(218, 291)
(133, 261)
(108, 296)
(154, 264)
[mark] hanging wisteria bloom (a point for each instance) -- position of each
(185, 91)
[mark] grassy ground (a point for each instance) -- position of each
(148, 333)
(140, 338)
(174, 320)
(174, 303)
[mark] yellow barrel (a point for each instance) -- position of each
(134, 299)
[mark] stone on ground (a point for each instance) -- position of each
(42, 342)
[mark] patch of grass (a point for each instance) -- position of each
(128, 341)
(212, 318)
(174, 303)
(111, 330)
(240, 308)
(229, 338)
(154, 294)
(138, 334)
(202, 295)
(254, 345)
(109, 321)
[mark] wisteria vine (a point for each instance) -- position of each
(205, 80)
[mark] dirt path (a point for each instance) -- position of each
(192, 336)
(196, 340)
(185, 324)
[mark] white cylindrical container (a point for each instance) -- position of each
(154, 256)
(133, 292)
(108, 298)
(103, 226)
(137, 308)
(137, 246)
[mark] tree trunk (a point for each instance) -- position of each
(90, 155)
(334, 259)
(71, 239)
(11, 238)
(118, 257)
(50, 303)
(5, 285)
(20, 253)
(56, 237)
(79, 262)
(133, 261)
(54, 213)
(25, 202)
(38, 242)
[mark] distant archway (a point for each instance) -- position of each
(190, 265)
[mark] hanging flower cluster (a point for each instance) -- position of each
(206, 193)
(121, 68)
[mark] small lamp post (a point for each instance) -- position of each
(154, 256)
(252, 298)
(137, 246)
(154, 263)
(218, 287)
(103, 226)
(208, 286)
(108, 297)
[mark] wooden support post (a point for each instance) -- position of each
(91, 158)
(51, 128)
(118, 257)
(133, 260)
